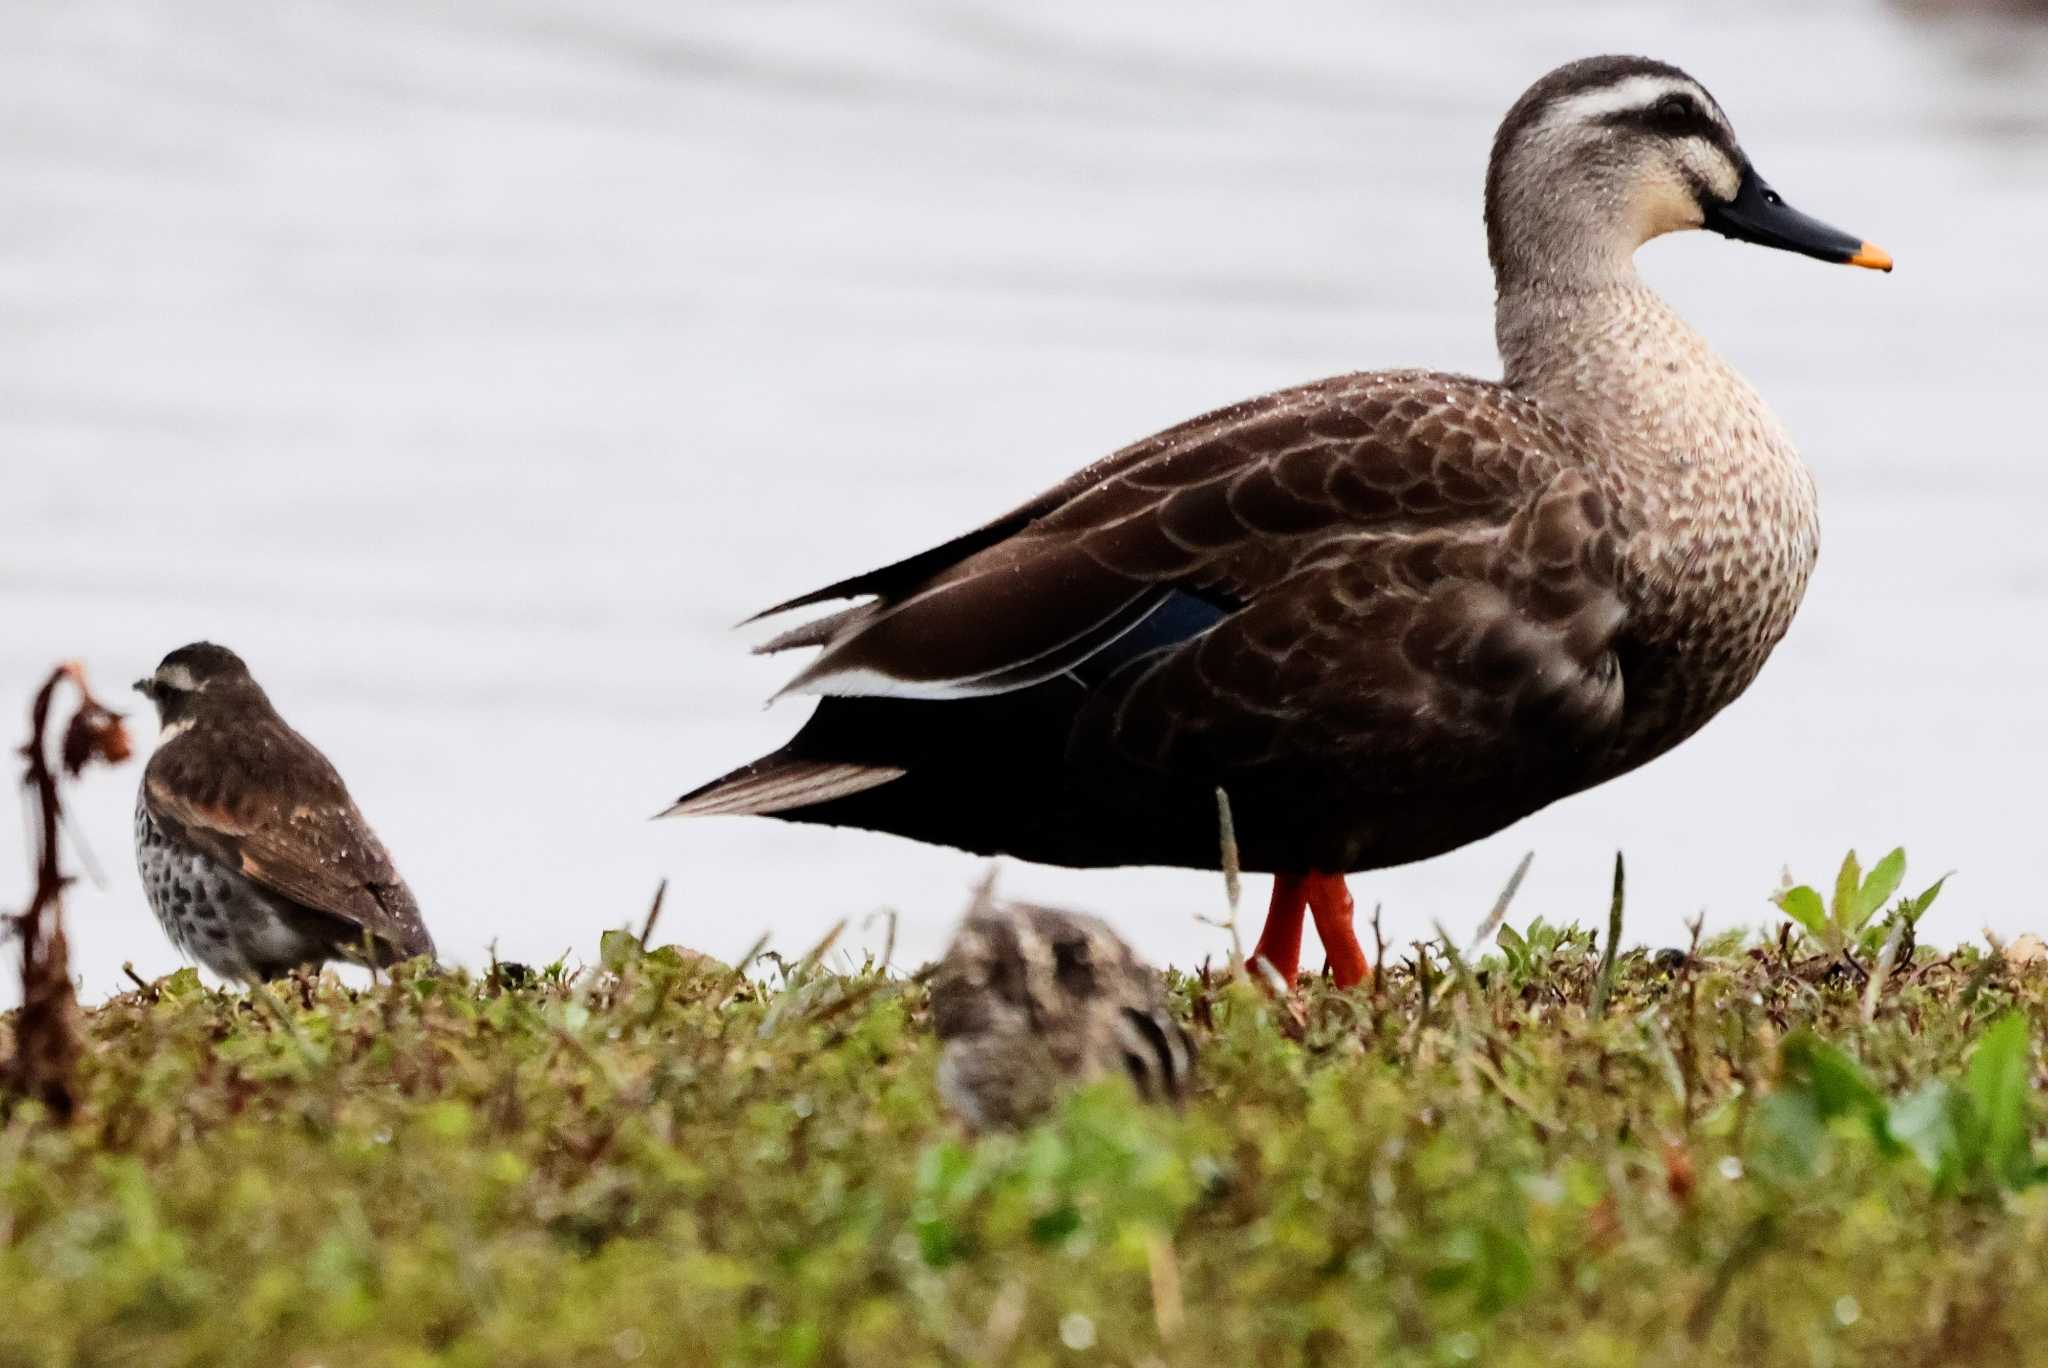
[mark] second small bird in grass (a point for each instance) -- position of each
(255, 859)
(1030, 999)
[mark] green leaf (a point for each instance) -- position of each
(1514, 947)
(1492, 1261)
(1912, 909)
(1053, 1227)
(184, 983)
(1802, 905)
(617, 949)
(1848, 884)
(447, 1120)
(1997, 1084)
(1835, 1082)
(1925, 1123)
(1879, 887)
(1786, 1138)
(1507, 1270)
(942, 1170)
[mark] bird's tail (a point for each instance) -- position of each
(779, 782)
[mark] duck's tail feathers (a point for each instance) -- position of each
(778, 783)
(817, 632)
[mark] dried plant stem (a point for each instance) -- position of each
(1233, 891)
(46, 1031)
(1379, 957)
(1610, 949)
(1874, 990)
(653, 915)
(1499, 914)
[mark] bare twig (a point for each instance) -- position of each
(1885, 959)
(1499, 914)
(808, 965)
(1604, 986)
(1226, 827)
(1169, 1312)
(653, 915)
(736, 979)
(1233, 888)
(1379, 956)
(46, 1042)
(1462, 977)
(1690, 1051)
(889, 920)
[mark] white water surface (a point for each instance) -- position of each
(471, 367)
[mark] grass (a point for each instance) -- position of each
(1744, 1158)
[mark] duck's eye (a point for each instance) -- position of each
(1672, 109)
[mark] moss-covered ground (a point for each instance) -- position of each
(1744, 1157)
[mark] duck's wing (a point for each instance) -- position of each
(1407, 567)
(307, 843)
(1427, 662)
(900, 578)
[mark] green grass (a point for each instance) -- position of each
(666, 1163)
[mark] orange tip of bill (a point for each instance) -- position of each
(1873, 256)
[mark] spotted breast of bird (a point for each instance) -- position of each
(253, 855)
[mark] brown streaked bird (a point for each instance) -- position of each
(1388, 613)
(255, 858)
(1031, 999)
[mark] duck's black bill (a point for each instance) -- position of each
(1759, 214)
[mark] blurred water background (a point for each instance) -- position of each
(471, 367)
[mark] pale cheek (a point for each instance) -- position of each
(1666, 209)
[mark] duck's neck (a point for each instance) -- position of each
(1615, 353)
(1723, 512)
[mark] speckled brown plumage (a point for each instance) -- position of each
(253, 855)
(1029, 1000)
(1388, 613)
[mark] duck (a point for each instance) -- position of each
(1029, 1001)
(1387, 613)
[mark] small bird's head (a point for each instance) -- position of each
(190, 675)
(1604, 154)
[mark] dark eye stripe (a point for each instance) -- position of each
(1673, 118)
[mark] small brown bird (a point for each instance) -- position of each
(1029, 999)
(255, 859)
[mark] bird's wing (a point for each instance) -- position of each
(310, 845)
(901, 577)
(1397, 562)
(1424, 662)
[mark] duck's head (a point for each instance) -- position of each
(1603, 154)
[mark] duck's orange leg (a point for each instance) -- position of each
(1330, 903)
(1280, 940)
